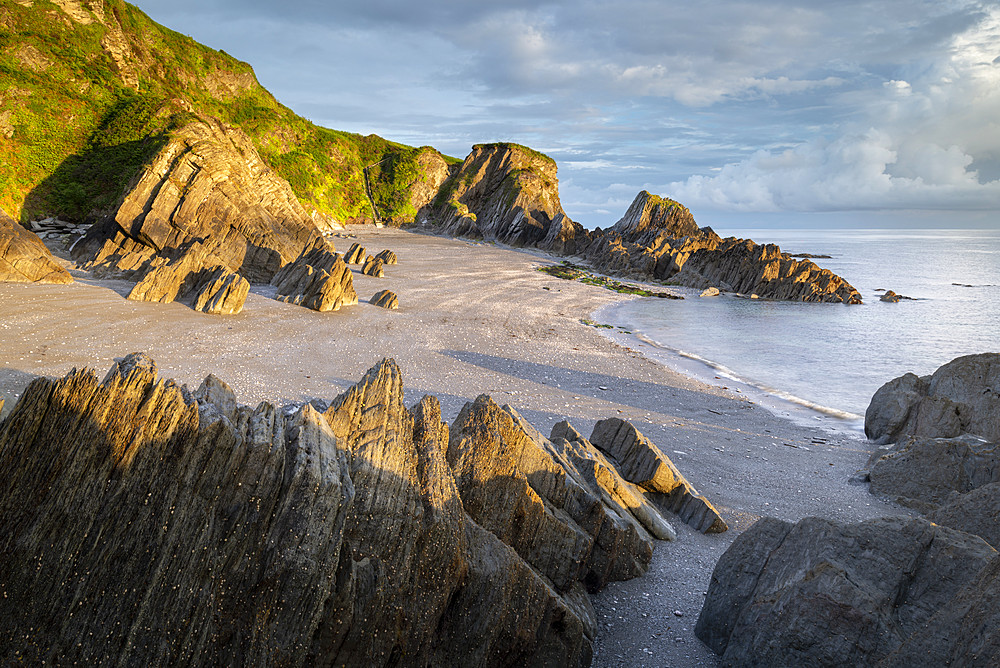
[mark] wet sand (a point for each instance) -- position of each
(477, 319)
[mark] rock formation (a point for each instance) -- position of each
(892, 298)
(889, 591)
(318, 279)
(207, 185)
(387, 256)
(961, 397)
(506, 193)
(386, 299)
(373, 267)
(24, 258)
(151, 525)
(356, 254)
(194, 276)
(641, 462)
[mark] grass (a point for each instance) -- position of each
(573, 272)
(79, 133)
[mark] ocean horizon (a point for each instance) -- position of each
(829, 359)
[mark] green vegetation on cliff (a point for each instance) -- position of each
(89, 91)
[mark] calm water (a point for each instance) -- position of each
(835, 356)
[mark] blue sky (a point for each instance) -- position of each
(771, 112)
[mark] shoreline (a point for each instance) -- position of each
(476, 318)
(782, 404)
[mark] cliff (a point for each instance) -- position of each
(153, 525)
(506, 193)
(94, 90)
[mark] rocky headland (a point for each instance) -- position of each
(151, 523)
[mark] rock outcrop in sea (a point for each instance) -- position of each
(24, 258)
(508, 193)
(153, 525)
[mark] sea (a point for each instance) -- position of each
(823, 362)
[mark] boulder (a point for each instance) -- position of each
(24, 258)
(387, 257)
(373, 267)
(710, 292)
(318, 279)
(207, 185)
(976, 512)
(961, 397)
(822, 593)
(222, 292)
(641, 462)
(356, 254)
(386, 299)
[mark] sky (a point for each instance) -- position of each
(766, 113)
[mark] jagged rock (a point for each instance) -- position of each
(222, 293)
(387, 257)
(890, 297)
(740, 265)
(207, 185)
(650, 212)
(386, 299)
(150, 525)
(710, 292)
(356, 254)
(962, 396)
(215, 289)
(182, 536)
(639, 461)
(318, 279)
(821, 593)
(373, 267)
(24, 258)
(507, 193)
(924, 472)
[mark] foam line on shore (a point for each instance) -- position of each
(779, 402)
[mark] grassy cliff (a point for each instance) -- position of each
(91, 89)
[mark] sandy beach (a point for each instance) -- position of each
(475, 319)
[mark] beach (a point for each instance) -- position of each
(477, 319)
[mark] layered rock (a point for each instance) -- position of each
(963, 396)
(641, 462)
(318, 279)
(148, 524)
(373, 267)
(356, 254)
(386, 299)
(207, 185)
(387, 256)
(821, 593)
(196, 277)
(24, 258)
(506, 193)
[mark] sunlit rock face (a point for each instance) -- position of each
(24, 258)
(156, 525)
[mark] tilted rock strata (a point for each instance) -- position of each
(822, 593)
(506, 193)
(386, 299)
(356, 254)
(24, 258)
(373, 267)
(212, 287)
(642, 463)
(208, 184)
(318, 279)
(387, 257)
(148, 524)
(962, 396)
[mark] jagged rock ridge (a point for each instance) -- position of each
(189, 528)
